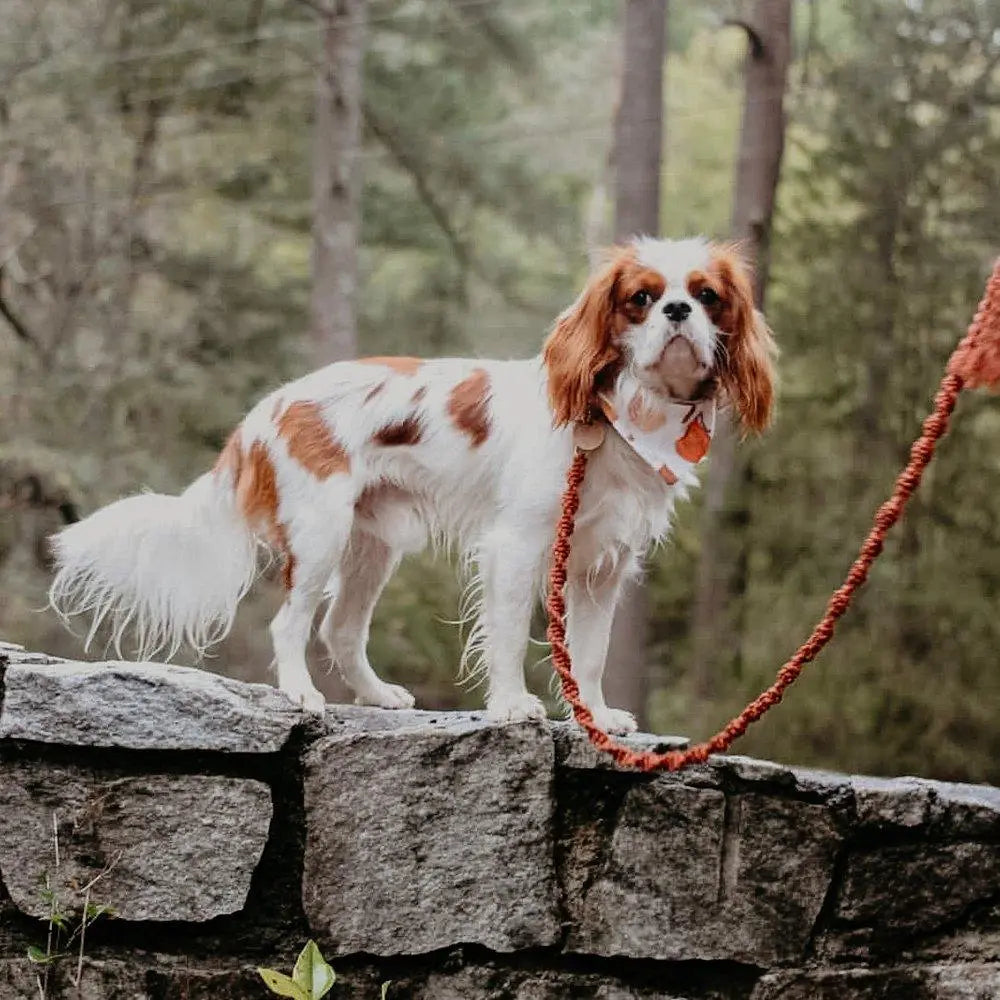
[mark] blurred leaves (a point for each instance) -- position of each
(155, 245)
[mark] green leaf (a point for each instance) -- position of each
(36, 955)
(312, 972)
(385, 988)
(281, 984)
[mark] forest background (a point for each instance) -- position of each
(156, 275)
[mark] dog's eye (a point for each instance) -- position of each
(707, 296)
(641, 299)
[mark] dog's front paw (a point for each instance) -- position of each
(386, 696)
(307, 698)
(615, 720)
(514, 708)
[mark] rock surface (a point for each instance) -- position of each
(486, 983)
(573, 749)
(141, 706)
(425, 837)
(461, 859)
(936, 982)
(98, 981)
(693, 873)
(160, 847)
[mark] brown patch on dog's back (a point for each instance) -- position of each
(468, 406)
(257, 490)
(404, 366)
(419, 394)
(257, 498)
(310, 441)
(405, 431)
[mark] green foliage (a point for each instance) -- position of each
(311, 978)
(155, 244)
(66, 921)
(886, 227)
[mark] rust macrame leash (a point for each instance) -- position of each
(975, 362)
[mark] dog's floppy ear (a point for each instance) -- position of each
(581, 346)
(746, 370)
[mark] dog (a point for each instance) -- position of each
(348, 468)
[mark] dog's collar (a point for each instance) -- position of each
(671, 436)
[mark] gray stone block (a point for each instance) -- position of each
(891, 802)
(99, 980)
(691, 874)
(894, 897)
(574, 749)
(484, 983)
(218, 984)
(174, 847)
(11, 652)
(142, 706)
(960, 981)
(965, 810)
(421, 838)
(341, 719)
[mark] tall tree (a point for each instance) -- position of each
(336, 180)
(721, 578)
(637, 158)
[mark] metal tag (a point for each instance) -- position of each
(589, 437)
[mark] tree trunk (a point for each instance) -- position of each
(637, 156)
(638, 149)
(337, 180)
(721, 580)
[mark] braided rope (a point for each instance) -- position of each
(976, 361)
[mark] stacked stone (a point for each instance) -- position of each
(462, 860)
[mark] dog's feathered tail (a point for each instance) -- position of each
(171, 569)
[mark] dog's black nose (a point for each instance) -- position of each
(677, 311)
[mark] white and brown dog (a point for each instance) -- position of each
(345, 470)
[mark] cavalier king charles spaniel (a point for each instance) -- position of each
(346, 469)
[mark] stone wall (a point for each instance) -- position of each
(461, 860)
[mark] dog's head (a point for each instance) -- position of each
(679, 316)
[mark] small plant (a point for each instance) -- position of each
(311, 978)
(65, 926)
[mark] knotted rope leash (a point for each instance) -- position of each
(974, 363)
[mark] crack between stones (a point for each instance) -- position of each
(615, 788)
(729, 854)
(730, 979)
(824, 917)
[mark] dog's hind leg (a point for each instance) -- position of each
(317, 541)
(366, 567)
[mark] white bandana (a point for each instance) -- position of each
(669, 435)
